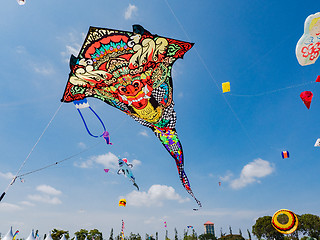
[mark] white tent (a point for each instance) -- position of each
(31, 236)
(9, 235)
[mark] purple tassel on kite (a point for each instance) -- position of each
(106, 137)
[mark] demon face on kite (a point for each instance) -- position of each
(132, 72)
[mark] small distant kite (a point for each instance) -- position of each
(125, 168)
(317, 144)
(122, 230)
(306, 97)
(285, 154)
(190, 227)
(318, 79)
(122, 202)
(106, 170)
(106, 137)
(165, 224)
(219, 184)
(308, 46)
(226, 87)
(15, 235)
(290, 226)
(21, 2)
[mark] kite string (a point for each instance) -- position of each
(68, 158)
(34, 146)
(272, 91)
(210, 74)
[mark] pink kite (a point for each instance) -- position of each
(306, 97)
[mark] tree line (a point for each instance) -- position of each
(308, 229)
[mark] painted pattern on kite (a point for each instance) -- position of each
(132, 72)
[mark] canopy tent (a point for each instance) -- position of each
(9, 235)
(31, 236)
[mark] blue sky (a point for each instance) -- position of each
(234, 138)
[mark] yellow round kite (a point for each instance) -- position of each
(288, 227)
(122, 202)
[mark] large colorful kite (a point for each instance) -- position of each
(308, 46)
(131, 71)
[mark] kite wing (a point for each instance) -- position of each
(308, 46)
(131, 71)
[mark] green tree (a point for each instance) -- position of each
(134, 236)
(95, 234)
(193, 236)
(222, 233)
(82, 234)
(111, 234)
(57, 234)
(264, 229)
(166, 237)
(231, 237)
(175, 234)
(156, 235)
(249, 234)
(207, 236)
(230, 230)
(310, 225)
(149, 237)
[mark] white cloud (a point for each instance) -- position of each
(157, 220)
(20, 50)
(108, 160)
(26, 203)
(144, 133)
(130, 11)
(180, 95)
(43, 68)
(136, 162)
(45, 199)
(72, 43)
(154, 197)
(227, 177)
(86, 164)
(7, 175)
(8, 207)
(252, 172)
(82, 145)
(48, 195)
(229, 213)
(48, 190)
(73, 49)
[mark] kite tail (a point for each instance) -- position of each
(85, 124)
(170, 141)
(84, 104)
